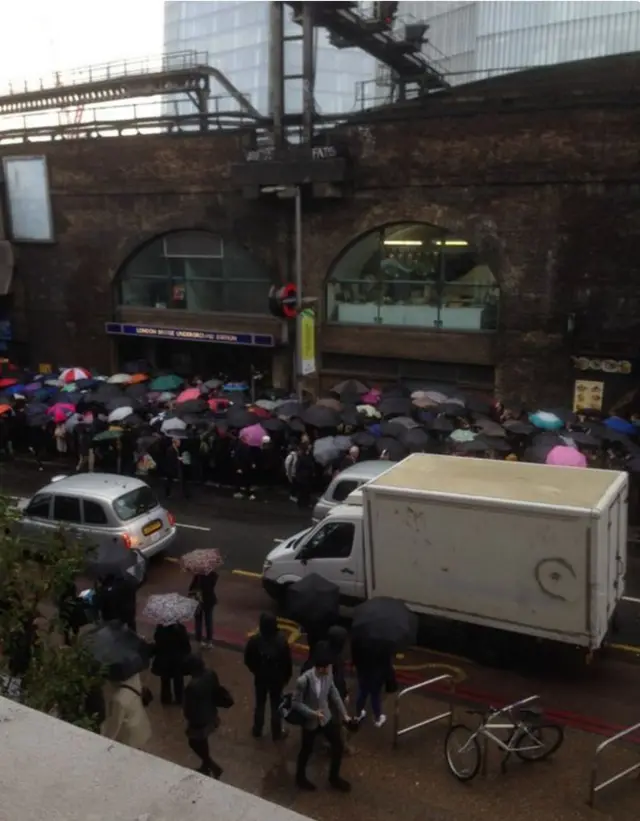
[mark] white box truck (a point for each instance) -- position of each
(519, 548)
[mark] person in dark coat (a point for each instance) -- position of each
(244, 460)
(171, 649)
(201, 713)
(116, 601)
(305, 475)
(71, 611)
(373, 669)
(203, 589)
(268, 657)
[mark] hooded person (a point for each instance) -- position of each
(267, 655)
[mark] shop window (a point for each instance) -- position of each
(195, 271)
(415, 275)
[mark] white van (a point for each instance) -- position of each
(346, 482)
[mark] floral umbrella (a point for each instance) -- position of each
(202, 561)
(169, 608)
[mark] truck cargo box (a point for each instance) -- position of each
(532, 549)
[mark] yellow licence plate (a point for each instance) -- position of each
(152, 527)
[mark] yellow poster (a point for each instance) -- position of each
(587, 395)
(307, 330)
(45, 367)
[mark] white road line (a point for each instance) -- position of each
(194, 527)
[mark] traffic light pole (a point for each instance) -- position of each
(298, 280)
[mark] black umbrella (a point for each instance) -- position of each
(633, 465)
(296, 425)
(350, 387)
(321, 417)
(394, 449)
(116, 402)
(384, 622)
(415, 439)
(451, 409)
(192, 406)
(120, 651)
(388, 428)
(518, 428)
(291, 408)
(585, 439)
(313, 599)
(538, 453)
(38, 420)
(132, 421)
(105, 391)
(395, 406)
(364, 439)
(441, 425)
(477, 405)
(238, 417)
(110, 560)
(350, 416)
(274, 425)
(496, 443)
(138, 391)
(35, 409)
(477, 445)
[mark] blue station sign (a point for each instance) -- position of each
(190, 335)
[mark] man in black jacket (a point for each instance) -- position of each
(200, 707)
(268, 657)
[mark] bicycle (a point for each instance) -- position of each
(530, 738)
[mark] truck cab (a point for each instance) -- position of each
(333, 548)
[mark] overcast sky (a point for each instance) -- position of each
(38, 36)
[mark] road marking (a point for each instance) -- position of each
(631, 599)
(171, 559)
(194, 527)
(247, 573)
(624, 648)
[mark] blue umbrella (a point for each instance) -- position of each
(235, 386)
(544, 420)
(14, 389)
(620, 425)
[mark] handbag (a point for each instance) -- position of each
(222, 698)
(145, 695)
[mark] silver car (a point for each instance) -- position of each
(104, 509)
(346, 482)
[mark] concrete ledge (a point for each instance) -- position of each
(50, 769)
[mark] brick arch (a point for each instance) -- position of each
(365, 216)
(130, 244)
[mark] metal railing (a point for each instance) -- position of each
(116, 69)
(398, 731)
(594, 786)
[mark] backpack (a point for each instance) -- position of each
(269, 655)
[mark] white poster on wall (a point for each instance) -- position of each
(28, 199)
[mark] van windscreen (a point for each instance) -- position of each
(135, 503)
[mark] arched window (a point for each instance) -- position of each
(415, 275)
(194, 271)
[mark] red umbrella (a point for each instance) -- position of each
(7, 383)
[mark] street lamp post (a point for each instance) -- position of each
(295, 193)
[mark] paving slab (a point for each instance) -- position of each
(411, 781)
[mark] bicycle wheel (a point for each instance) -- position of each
(462, 752)
(535, 743)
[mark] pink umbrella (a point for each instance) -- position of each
(564, 456)
(190, 393)
(218, 404)
(253, 435)
(61, 411)
(372, 397)
(73, 375)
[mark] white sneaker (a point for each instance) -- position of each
(252, 498)
(362, 716)
(380, 722)
(238, 495)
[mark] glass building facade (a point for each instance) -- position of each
(472, 41)
(235, 36)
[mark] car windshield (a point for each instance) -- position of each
(135, 503)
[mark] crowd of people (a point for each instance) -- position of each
(195, 431)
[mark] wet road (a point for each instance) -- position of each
(245, 531)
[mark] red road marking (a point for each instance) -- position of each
(237, 641)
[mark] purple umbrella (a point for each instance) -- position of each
(253, 435)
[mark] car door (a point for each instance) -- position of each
(67, 513)
(36, 519)
(331, 553)
(95, 524)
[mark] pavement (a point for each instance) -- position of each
(411, 781)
